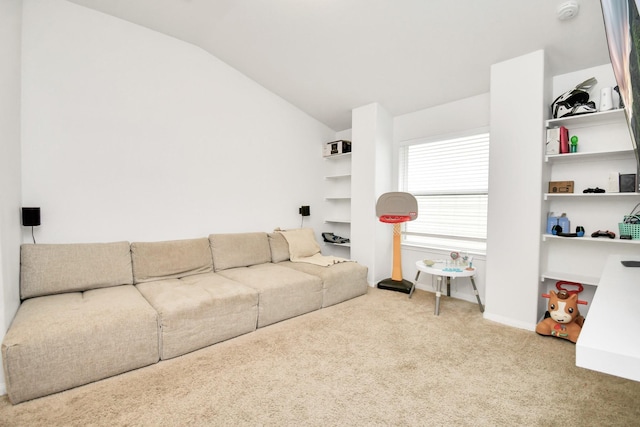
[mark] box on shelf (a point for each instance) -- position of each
(614, 183)
(561, 187)
(627, 182)
(336, 147)
(553, 141)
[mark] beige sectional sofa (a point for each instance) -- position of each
(95, 310)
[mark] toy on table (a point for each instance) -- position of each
(562, 319)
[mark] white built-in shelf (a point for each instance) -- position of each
(591, 119)
(587, 239)
(589, 155)
(339, 221)
(335, 156)
(346, 245)
(548, 196)
(337, 198)
(555, 275)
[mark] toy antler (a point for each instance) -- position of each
(564, 295)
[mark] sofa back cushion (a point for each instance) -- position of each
(170, 259)
(239, 250)
(279, 247)
(57, 268)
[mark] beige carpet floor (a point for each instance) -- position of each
(378, 360)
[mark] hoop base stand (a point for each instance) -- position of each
(403, 285)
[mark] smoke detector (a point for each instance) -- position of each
(568, 10)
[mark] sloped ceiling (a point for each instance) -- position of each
(330, 56)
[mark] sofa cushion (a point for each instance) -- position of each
(61, 341)
(284, 292)
(57, 268)
(200, 310)
(302, 242)
(239, 250)
(340, 282)
(279, 247)
(170, 259)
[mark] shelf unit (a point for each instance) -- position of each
(338, 200)
(591, 240)
(604, 147)
(602, 155)
(548, 196)
(589, 120)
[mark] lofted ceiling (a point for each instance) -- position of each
(329, 56)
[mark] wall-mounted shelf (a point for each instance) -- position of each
(555, 275)
(591, 119)
(591, 240)
(548, 196)
(335, 156)
(338, 221)
(345, 245)
(593, 155)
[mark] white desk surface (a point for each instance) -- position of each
(610, 338)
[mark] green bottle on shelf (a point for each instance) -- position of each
(573, 148)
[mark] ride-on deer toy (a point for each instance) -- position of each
(563, 319)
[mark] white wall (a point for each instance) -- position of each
(10, 26)
(444, 121)
(129, 134)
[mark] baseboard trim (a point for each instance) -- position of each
(510, 322)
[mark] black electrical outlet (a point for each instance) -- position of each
(304, 211)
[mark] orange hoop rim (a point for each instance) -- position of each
(393, 219)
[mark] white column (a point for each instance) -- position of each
(515, 183)
(371, 240)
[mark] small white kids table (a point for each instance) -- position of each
(440, 270)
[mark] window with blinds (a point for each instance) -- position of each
(450, 180)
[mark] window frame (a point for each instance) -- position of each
(440, 242)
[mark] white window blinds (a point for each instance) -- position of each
(449, 178)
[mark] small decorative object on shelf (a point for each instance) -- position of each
(575, 101)
(332, 238)
(561, 187)
(630, 225)
(573, 148)
(564, 140)
(333, 148)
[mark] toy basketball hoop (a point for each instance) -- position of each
(396, 208)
